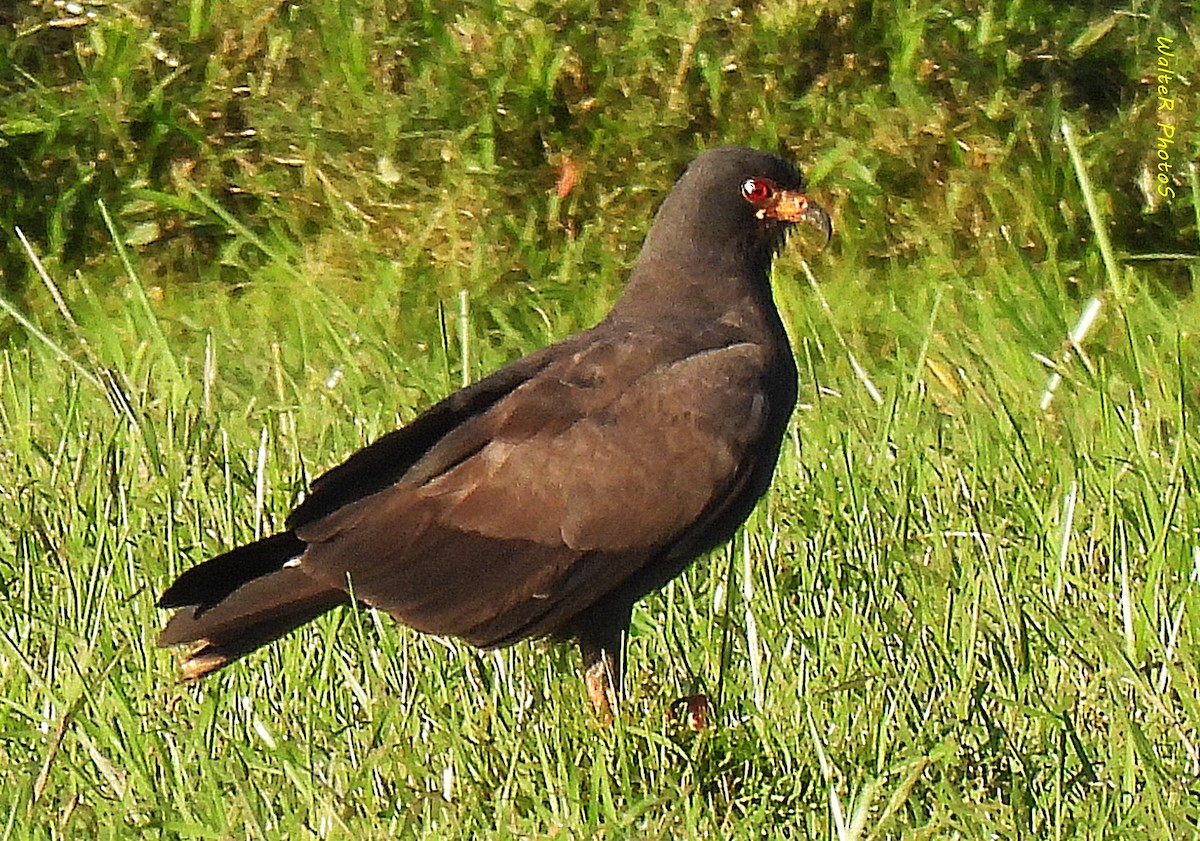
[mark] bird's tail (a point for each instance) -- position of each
(241, 600)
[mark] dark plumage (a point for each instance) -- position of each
(547, 498)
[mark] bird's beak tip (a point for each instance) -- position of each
(817, 216)
(794, 206)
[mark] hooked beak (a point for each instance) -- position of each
(794, 206)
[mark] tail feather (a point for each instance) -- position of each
(208, 583)
(239, 601)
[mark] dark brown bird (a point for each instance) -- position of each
(547, 498)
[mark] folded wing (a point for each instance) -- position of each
(555, 495)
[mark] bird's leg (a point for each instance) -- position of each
(602, 676)
(601, 632)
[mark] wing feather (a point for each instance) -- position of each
(567, 480)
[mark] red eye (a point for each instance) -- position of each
(757, 190)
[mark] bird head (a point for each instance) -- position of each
(732, 203)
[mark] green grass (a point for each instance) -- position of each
(956, 615)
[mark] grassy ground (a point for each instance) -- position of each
(967, 609)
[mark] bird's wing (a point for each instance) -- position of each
(386, 461)
(580, 476)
